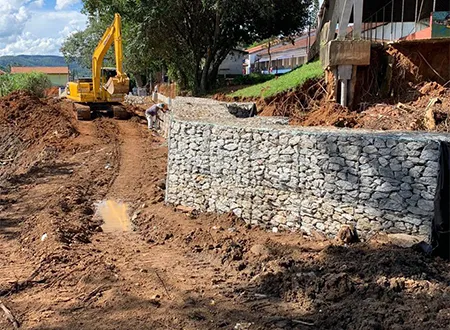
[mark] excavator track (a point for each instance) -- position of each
(83, 111)
(91, 111)
(119, 112)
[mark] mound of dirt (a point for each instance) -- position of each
(331, 114)
(52, 91)
(37, 126)
(359, 287)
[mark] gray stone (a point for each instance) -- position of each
(413, 220)
(379, 143)
(395, 167)
(386, 187)
(430, 171)
(418, 211)
(288, 151)
(370, 150)
(407, 164)
(372, 211)
(363, 225)
(320, 226)
(428, 154)
(344, 185)
(295, 140)
(352, 179)
(363, 160)
(408, 179)
(405, 194)
(405, 186)
(364, 196)
(230, 147)
(416, 171)
(384, 151)
(415, 145)
(383, 161)
(425, 205)
(386, 172)
(429, 181)
(389, 204)
(338, 160)
(427, 195)
(380, 195)
(391, 143)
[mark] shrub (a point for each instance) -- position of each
(36, 83)
(252, 79)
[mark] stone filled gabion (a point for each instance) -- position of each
(135, 100)
(306, 179)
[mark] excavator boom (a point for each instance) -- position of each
(120, 83)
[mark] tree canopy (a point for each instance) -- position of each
(190, 37)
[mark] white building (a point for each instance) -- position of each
(233, 63)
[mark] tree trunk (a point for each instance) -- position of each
(212, 78)
(139, 80)
(205, 74)
(211, 52)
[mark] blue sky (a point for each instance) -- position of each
(38, 27)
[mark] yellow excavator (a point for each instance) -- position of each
(107, 88)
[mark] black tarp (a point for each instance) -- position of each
(441, 223)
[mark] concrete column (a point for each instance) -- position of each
(346, 12)
(344, 75)
(358, 16)
(344, 92)
(334, 19)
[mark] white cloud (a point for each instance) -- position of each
(61, 4)
(27, 44)
(26, 29)
(13, 18)
(37, 4)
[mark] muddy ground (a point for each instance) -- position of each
(177, 269)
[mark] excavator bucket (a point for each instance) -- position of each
(116, 86)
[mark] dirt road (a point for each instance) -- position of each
(175, 270)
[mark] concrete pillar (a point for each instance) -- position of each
(334, 20)
(358, 16)
(344, 75)
(346, 12)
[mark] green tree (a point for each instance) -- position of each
(191, 38)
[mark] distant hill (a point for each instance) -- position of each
(41, 60)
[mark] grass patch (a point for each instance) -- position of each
(35, 82)
(285, 82)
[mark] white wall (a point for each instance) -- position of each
(233, 64)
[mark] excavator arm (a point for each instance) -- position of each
(118, 84)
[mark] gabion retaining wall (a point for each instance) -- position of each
(302, 178)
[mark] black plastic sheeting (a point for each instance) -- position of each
(441, 223)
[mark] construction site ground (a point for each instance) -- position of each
(176, 269)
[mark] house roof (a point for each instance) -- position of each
(285, 47)
(239, 50)
(43, 69)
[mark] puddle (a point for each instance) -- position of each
(115, 216)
